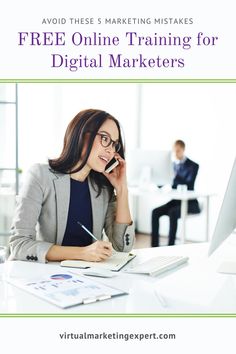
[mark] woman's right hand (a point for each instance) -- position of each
(96, 252)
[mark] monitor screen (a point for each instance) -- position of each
(150, 166)
(226, 221)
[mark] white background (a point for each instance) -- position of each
(203, 115)
(213, 17)
(193, 335)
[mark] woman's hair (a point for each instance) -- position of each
(87, 121)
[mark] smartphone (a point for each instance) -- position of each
(111, 165)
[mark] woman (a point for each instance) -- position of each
(74, 189)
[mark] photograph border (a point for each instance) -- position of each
(119, 315)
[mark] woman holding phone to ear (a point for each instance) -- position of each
(74, 189)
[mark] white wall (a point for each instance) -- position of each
(203, 115)
(46, 109)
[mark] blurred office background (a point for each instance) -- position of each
(33, 119)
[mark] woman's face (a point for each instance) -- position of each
(100, 155)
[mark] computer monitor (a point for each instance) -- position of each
(151, 166)
(226, 222)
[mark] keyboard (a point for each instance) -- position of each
(157, 265)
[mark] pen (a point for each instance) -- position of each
(85, 228)
(161, 299)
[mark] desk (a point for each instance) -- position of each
(193, 288)
(184, 197)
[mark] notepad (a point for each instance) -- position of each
(65, 289)
(117, 261)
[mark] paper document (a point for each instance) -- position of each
(117, 261)
(66, 289)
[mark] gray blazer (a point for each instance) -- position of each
(41, 216)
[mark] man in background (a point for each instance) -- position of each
(185, 173)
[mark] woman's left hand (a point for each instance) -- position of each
(117, 176)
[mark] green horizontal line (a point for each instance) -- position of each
(118, 315)
(156, 81)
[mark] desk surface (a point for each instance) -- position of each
(192, 288)
(171, 194)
